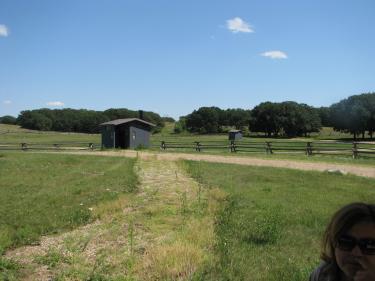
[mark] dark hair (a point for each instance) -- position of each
(341, 222)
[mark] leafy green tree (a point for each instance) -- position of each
(205, 120)
(81, 120)
(289, 117)
(355, 115)
(34, 120)
(180, 125)
(237, 118)
(7, 119)
(168, 119)
(325, 116)
(266, 117)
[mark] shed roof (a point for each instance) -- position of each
(126, 120)
(234, 131)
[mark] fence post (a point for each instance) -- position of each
(24, 146)
(163, 146)
(233, 146)
(355, 150)
(197, 146)
(308, 149)
(269, 147)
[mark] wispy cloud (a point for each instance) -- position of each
(55, 103)
(3, 30)
(275, 55)
(239, 25)
(7, 102)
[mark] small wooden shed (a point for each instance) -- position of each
(235, 135)
(126, 133)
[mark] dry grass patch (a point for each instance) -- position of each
(176, 261)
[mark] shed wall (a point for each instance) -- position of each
(235, 135)
(108, 136)
(138, 137)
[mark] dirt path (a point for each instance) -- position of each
(127, 241)
(251, 161)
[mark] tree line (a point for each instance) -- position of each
(79, 120)
(355, 115)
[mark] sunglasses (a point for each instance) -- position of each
(347, 243)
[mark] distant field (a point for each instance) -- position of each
(41, 194)
(15, 134)
(326, 133)
(271, 224)
(186, 143)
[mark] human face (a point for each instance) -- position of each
(354, 264)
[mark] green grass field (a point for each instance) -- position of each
(266, 222)
(47, 193)
(271, 223)
(15, 134)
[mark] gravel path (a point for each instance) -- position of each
(365, 171)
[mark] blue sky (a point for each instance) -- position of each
(172, 57)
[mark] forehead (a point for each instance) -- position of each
(363, 230)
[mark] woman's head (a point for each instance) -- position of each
(349, 238)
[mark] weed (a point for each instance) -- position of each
(131, 236)
(184, 207)
(8, 269)
(52, 258)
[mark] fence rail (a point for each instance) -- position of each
(355, 149)
(50, 146)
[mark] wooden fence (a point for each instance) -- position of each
(50, 146)
(354, 149)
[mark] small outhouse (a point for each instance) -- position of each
(126, 133)
(235, 135)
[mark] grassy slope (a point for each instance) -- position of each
(15, 134)
(42, 193)
(271, 224)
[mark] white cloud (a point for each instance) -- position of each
(7, 102)
(3, 30)
(275, 55)
(238, 25)
(55, 103)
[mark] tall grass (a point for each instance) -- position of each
(269, 227)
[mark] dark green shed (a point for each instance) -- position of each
(126, 133)
(234, 135)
